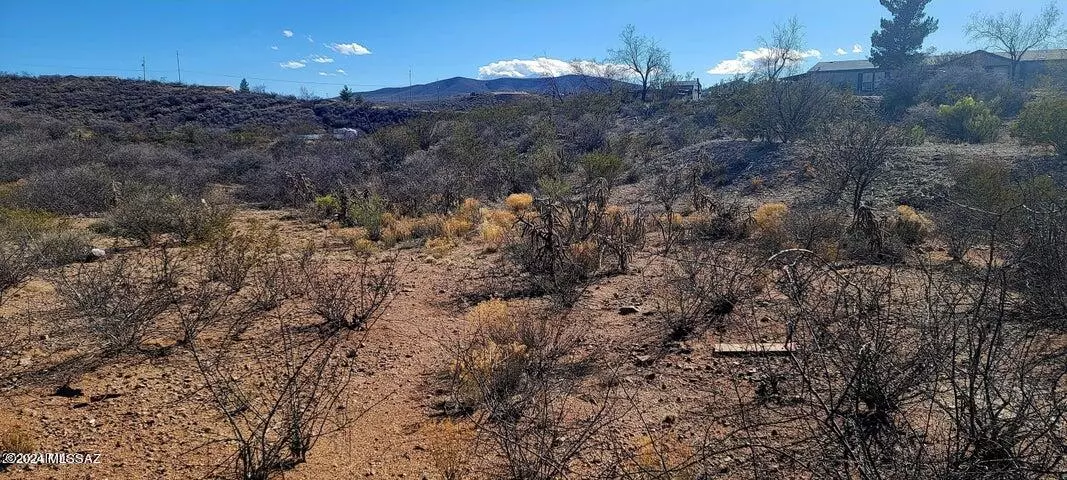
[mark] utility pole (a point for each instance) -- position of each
(179, 60)
(144, 71)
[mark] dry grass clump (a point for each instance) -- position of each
(519, 202)
(662, 458)
(770, 216)
(909, 226)
(451, 447)
(438, 247)
(492, 236)
(457, 227)
(15, 439)
(502, 218)
(770, 221)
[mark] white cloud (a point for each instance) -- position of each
(324, 74)
(287, 33)
(320, 59)
(341, 72)
(857, 48)
(310, 39)
(292, 64)
(273, 47)
(349, 48)
(748, 60)
(840, 52)
(543, 67)
(335, 73)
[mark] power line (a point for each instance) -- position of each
(144, 71)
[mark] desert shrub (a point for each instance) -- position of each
(30, 240)
(849, 158)
(559, 246)
(720, 219)
(144, 212)
(519, 202)
(1044, 121)
(492, 236)
(367, 211)
(908, 226)
(588, 134)
(232, 257)
(519, 377)
(507, 351)
(118, 303)
(776, 111)
(396, 142)
(327, 206)
(817, 229)
(602, 165)
(661, 457)
(769, 221)
(81, 189)
(901, 93)
(15, 439)
(621, 235)
(451, 447)
(354, 296)
(278, 397)
(438, 247)
(915, 135)
(700, 288)
(968, 120)
(948, 86)
(456, 227)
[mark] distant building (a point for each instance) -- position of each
(688, 89)
(863, 78)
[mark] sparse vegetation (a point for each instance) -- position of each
(778, 279)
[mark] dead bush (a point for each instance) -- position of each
(355, 296)
(118, 302)
(232, 257)
(517, 377)
(144, 212)
(621, 235)
(701, 287)
(851, 156)
(558, 246)
(278, 405)
(817, 229)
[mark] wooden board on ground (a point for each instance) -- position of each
(761, 349)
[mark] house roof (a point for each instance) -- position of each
(842, 65)
(1039, 55)
(1033, 55)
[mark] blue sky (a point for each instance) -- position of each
(369, 45)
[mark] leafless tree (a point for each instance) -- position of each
(599, 75)
(643, 56)
(1009, 32)
(784, 49)
(852, 156)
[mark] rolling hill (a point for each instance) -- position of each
(459, 86)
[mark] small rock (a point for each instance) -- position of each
(643, 360)
(628, 309)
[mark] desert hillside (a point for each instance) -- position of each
(776, 278)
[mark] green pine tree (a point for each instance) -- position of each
(346, 94)
(899, 42)
(244, 86)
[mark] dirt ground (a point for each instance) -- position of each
(150, 417)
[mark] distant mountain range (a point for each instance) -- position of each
(459, 86)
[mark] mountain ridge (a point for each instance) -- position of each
(460, 86)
